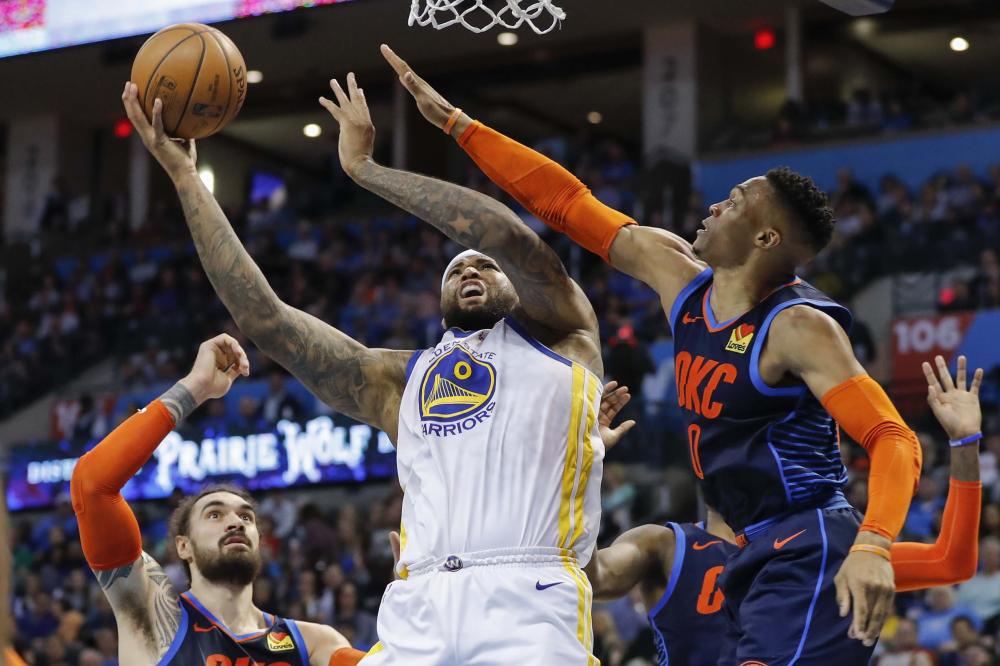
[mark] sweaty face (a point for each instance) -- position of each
(726, 238)
(225, 544)
(476, 294)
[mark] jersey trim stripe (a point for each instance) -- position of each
(758, 345)
(412, 362)
(584, 628)
(685, 293)
(572, 452)
(301, 642)
(239, 638)
(680, 548)
(179, 637)
(588, 459)
(520, 330)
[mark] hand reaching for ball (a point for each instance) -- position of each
(175, 156)
(357, 132)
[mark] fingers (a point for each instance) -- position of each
(394, 544)
(331, 107)
(944, 373)
(339, 93)
(610, 386)
(843, 595)
(977, 380)
(861, 612)
(192, 151)
(352, 86)
(158, 118)
(234, 359)
(881, 602)
(932, 380)
(960, 374)
(358, 97)
(624, 427)
(130, 100)
(397, 63)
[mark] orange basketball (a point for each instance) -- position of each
(198, 73)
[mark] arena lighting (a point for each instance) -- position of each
(254, 76)
(312, 130)
(763, 39)
(207, 176)
(594, 117)
(123, 128)
(507, 38)
(959, 44)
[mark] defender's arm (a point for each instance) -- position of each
(633, 556)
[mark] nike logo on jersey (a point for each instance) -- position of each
(780, 543)
(203, 630)
(539, 586)
(688, 319)
(703, 546)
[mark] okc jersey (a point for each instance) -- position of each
(203, 640)
(498, 448)
(688, 622)
(759, 451)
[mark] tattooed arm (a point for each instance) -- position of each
(366, 384)
(549, 299)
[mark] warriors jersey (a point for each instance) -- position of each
(688, 622)
(498, 448)
(203, 640)
(759, 451)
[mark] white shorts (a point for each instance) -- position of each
(492, 608)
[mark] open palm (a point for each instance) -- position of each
(955, 405)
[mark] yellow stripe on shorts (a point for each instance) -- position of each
(584, 626)
(569, 471)
(588, 460)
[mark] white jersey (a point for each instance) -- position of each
(498, 448)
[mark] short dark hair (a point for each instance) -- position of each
(180, 519)
(807, 203)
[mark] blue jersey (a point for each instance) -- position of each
(688, 622)
(759, 451)
(204, 640)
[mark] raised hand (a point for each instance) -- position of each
(177, 157)
(435, 108)
(357, 132)
(955, 405)
(219, 362)
(613, 401)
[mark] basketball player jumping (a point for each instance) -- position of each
(763, 367)
(498, 448)
(215, 623)
(677, 566)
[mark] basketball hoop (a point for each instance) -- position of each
(478, 16)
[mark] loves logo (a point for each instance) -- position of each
(278, 641)
(739, 339)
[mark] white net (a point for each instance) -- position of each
(480, 15)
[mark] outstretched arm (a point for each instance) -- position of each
(139, 591)
(366, 384)
(548, 297)
(631, 558)
(661, 259)
(952, 558)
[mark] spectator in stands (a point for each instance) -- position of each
(965, 638)
(934, 621)
(903, 649)
(40, 620)
(924, 510)
(280, 404)
(349, 617)
(982, 593)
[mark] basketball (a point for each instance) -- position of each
(197, 72)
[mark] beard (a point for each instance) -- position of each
(477, 317)
(238, 568)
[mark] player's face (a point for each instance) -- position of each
(476, 294)
(224, 541)
(727, 236)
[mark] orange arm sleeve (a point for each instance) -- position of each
(865, 413)
(952, 558)
(109, 531)
(346, 657)
(545, 188)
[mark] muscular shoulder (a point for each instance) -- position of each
(323, 641)
(811, 344)
(655, 542)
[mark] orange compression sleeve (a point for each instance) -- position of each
(109, 531)
(545, 188)
(952, 558)
(865, 413)
(346, 657)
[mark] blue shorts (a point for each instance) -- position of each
(780, 595)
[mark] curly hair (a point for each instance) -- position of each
(807, 203)
(180, 519)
